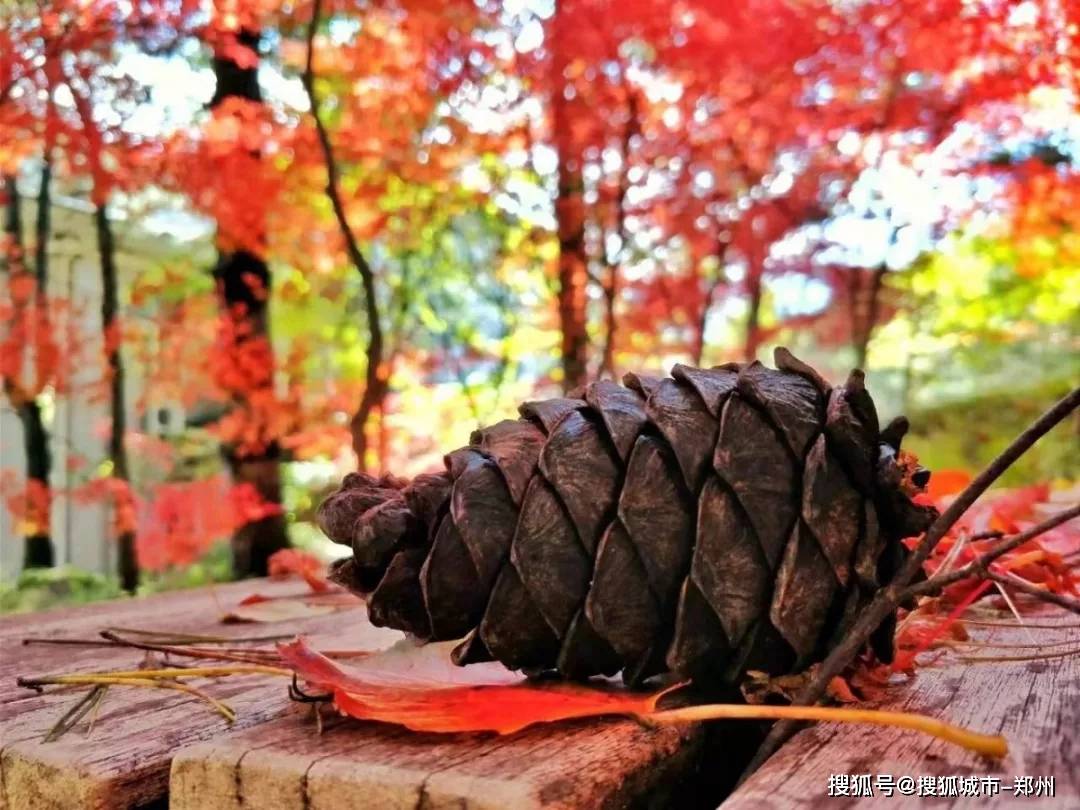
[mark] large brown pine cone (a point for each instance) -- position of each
(709, 523)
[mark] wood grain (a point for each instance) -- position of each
(125, 762)
(1035, 704)
(285, 765)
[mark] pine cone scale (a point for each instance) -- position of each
(792, 404)
(658, 515)
(805, 587)
(513, 629)
(620, 604)
(449, 584)
(712, 385)
(751, 459)
(549, 558)
(514, 445)
(485, 516)
(699, 647)
(622, 412)
(685, 422)
(832, 508)
(584, 470)
(729, 567)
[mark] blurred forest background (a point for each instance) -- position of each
(249, 245)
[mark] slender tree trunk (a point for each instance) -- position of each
(38, 549)
(570, 219)
(37, 543)
(127, 565)
(753, 317)
(243, 286)
(864, 331)
(611, 289)
(698, 347)
(377, 374)
(43, 229)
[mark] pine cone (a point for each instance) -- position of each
(710, 523)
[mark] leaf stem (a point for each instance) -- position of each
(991, 745)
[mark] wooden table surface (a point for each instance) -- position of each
(1035, 704)
(155, 750)
(272, 757)
(125, 761)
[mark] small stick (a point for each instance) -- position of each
(888, 599)
(165, 637)
(979, 567)
(74, 642)
(108, 679)
(123, 676)
(248, 657)
(1022, 585)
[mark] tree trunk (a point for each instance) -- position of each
(377, 374)
(243, 287)
(863, 330)
(572, 276)
(753, 318)
(43, 229)
(127, 565)
(37, 540)
(611, 289)
(570, 219)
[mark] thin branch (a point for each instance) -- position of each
(246, 656)
(888, 599)
(375, 384)
(980, 566)
(1043, 425)
(1022, 585)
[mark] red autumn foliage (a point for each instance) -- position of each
(692, 138)
(182, 519)
(1049, 561)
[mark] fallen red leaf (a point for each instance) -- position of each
(372, 693)
(947, 482)
(378, 689)
(293, 562)
(840, 691)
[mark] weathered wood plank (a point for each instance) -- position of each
(195, 611)
(125, 762)
(1035, 704)
(286, 766)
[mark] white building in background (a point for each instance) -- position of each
(78, 418)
